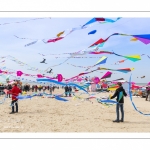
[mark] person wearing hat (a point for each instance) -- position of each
(119, 93)
(15, 92)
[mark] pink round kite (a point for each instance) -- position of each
(96, 80)
(39, 76)
(19, 73)
(60, 77)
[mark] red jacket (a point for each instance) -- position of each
(15, 92)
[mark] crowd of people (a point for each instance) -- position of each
(36, 88)
(12, 91)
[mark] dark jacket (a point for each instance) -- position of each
(70, 89)
(117, 93)
(66, 89)
(9, 87)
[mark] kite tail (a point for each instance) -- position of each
(130, 95)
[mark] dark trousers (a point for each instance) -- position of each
(8, 95)
(122, 111)
(147, 96)
(14, 102)
(66, 93)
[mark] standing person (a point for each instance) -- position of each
(15, 92)
(44, 89)
(0, 89)
(32, 88)
(50, 89)
(147, 92)
(9, 87)
(70, 90)
(119, 93)
(36, 87)
(66, 90)
(40, 87)
(28, 87)
(53, 88)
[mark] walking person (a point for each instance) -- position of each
(15, 92)
(119, 93)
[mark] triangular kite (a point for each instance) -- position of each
(102, 60)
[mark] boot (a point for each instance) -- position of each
(116, 121)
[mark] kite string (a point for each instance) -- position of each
(22, 21)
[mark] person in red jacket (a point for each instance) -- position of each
(15, 92)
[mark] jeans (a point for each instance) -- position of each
(14, 102)
(122, 111)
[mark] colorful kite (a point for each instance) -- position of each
(92, 32)
(70, 31)
(145, 38)
(61, 83)
(134, 39)
(133, 58)
(96, 80)
(100, 20)
(113, 87)
(107, 75)
(59, 34)
(60, 99)
(125, 70)
(53, 40)
(60, 77)
(19, 73)
(101, 61)
(100, 52)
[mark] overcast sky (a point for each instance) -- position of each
(78, 40)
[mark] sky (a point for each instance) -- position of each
(48, 28)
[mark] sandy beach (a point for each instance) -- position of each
(77, 115)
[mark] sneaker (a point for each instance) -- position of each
(16, 112)
(116, 121)
(121, 120)
(12, 113)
